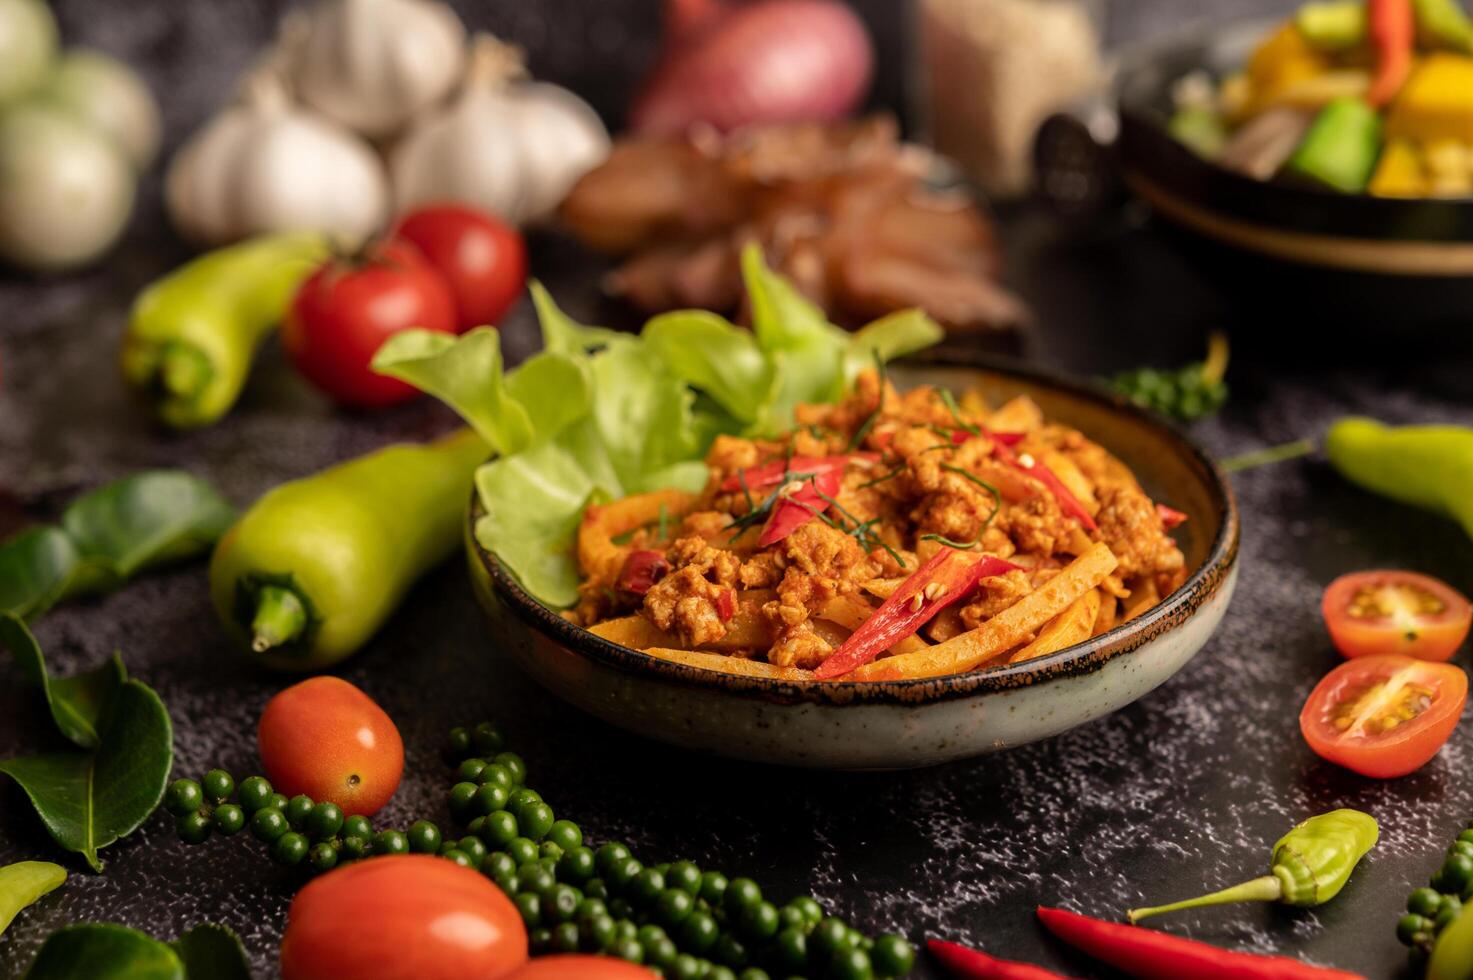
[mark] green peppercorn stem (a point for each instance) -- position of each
(280, 618)
(1311, 863)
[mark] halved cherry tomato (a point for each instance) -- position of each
(1384, 716)
(1395, 612)
(483, 259)
(577, 967)
(402, 916)
(327, 739)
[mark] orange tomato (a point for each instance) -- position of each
(402, 917)
(1386, 611)
(1384, 716)
(576, 967)
(326, 738)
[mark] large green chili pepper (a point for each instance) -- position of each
(1428, 466)
(1311, 863)
(316, 565)
(193, 333)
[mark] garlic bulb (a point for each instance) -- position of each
(372, 65)
(507, 145)
(264, 165)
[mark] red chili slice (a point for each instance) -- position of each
(780, 470)
(726, 605)
(1170, 516)
(1067, 501)
(950, 575)
(959, 436)
(641, 570)
(799, 505)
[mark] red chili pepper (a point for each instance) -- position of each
(949, 575)
(800, 506)
(959, 436)
(641, 570)
(1150, 955)
(1392, 28)
(1067, 501)
(726, 604)
(1170, 516)
(973, 964)
(781, 470)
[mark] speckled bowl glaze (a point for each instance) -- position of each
(904, 724)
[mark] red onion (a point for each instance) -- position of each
(761, 61)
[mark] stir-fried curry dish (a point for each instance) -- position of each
(892, 535)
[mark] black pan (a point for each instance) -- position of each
(1286, 252)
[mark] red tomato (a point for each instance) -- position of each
(402, 917)
(576, 967)
(483, 260)
(347, 309)
(326, 738)
(1384, 715)
(1395, 612)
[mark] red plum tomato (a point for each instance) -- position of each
(346, 310)
(402, 917)
(482, 259)
(327, 739)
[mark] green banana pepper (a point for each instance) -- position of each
(1311, 863)
(192, 334)
(23, 883)
(316, 565)
(1452, 957)
(1427, 466)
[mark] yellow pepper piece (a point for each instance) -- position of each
(1399, 172)
(1281, 62)
(1436, 103)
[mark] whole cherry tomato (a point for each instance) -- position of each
(483, 259)
(327, 739)
(1396, 612)
(349, 307)
(1383, 715)
(402, 917)
(573, 966)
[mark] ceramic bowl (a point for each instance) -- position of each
(1287, 255)
(902, 724)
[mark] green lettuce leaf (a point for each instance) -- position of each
(465, 373)
(888, 338)
(555, 389)
(711, 354)
(561, 332)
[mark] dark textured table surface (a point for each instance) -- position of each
(1183, 791)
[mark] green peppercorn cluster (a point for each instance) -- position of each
(1429, 910)
(1186, 394)
(683, 922)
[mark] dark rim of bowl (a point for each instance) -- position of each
(1082, 658)
(1148, 149)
